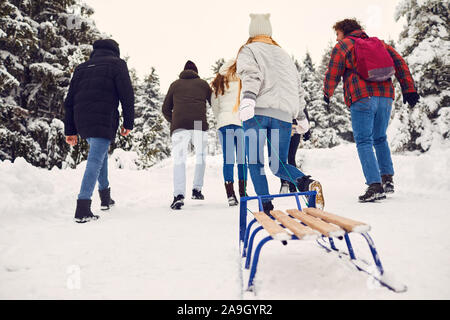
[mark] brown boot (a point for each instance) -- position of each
(242, 188)
(305, 183)
(232, 200)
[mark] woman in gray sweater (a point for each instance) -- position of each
(272, 97)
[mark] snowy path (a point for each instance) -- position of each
(141, 250)
(144, 250)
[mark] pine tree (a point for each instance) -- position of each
(121, 142)
(41, 42)
(425, 45)
(330, 124)
(151, 140)
(338, 114)
(217, 65)
(320, 133)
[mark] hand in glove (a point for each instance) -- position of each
(247, 109)
(411, 97)
(302, 126)
(307, 135)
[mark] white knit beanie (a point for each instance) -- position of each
(260, 25)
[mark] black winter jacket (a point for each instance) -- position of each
(97, 86)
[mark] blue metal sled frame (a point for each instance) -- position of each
(246, 238)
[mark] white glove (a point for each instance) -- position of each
(247, 109)
(302, 126)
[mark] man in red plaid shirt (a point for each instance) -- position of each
(370, 105)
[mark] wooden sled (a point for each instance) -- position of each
(303, 224)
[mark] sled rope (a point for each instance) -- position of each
(278, 157)
(276, 154)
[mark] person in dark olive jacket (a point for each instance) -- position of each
(185, 108)
(91, 111)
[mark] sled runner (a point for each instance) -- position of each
(303, 224)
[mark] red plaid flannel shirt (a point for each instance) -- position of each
(343, 64)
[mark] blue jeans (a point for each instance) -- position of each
(278, 133)
(231, 138)
(370, 119)
(96, 168)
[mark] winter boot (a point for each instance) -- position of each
(232, 200)
(197, 195)
(83, 211)
(305, 183)
(242, 188)
(292, 187)
(284, 187)
(177, 202)
(106, 201)
(267, 207)
(374, 192)
(388, 183)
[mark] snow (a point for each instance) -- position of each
(428, 50)
(9, 78)
(46, 68)
(37, 124)
(143, 250)
(13, 58)
(47, 24)
(124, 160)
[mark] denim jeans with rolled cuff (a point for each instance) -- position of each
(370, 119)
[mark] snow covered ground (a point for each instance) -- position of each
(144, 250)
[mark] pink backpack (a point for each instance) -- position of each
(373, 61)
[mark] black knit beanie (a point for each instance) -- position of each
(190, 66)
(107, 44)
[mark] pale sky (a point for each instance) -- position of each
(166, 33)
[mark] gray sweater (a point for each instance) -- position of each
(270, 77)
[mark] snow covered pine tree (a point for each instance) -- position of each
(425, 46)
(338, 114)
(41, 42)
(151, 140)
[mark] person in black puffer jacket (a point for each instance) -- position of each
(91, 111)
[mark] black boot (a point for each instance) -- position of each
(292, 187)
(197, 195)
(267, 207)
(83, 212)
(242, 188)
(388, 183)
(177, 202)
(106, 201)
(374, 192)
(305, 183)
(231, 196)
